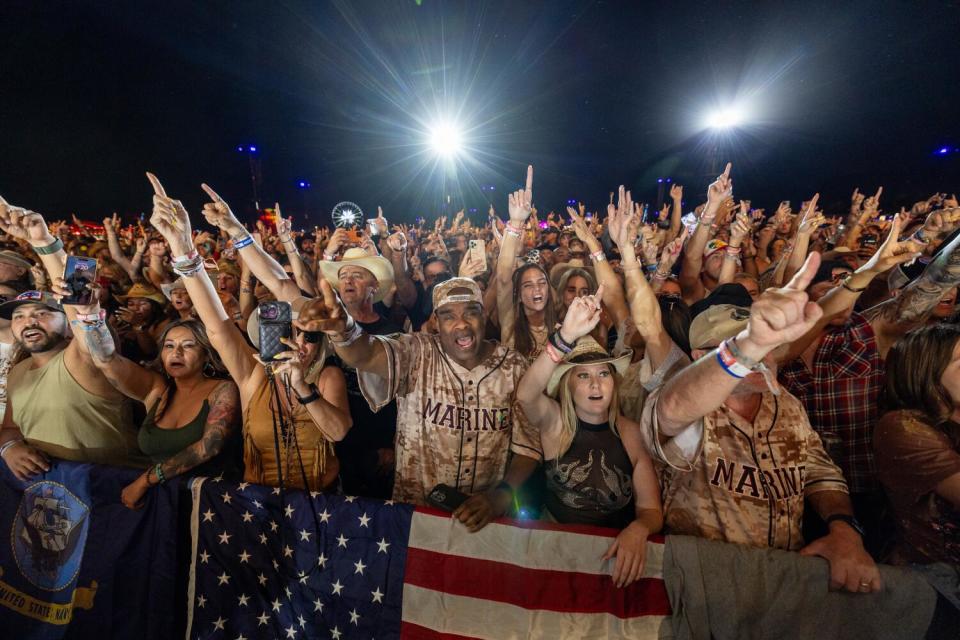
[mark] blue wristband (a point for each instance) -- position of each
(243, 242)
(726, 368)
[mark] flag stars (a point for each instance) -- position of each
(208, 516)
(242, 486)
(258, 504)
(305, 535)
(324, 516)
(226, 497)
(287, 551)
(288, 592)
(318, 605)
(263, 538)
(225, 537)
(247, 516)
(241, 637)
(322, 561)
(204, 557)
(201, 601)
(263, 619)
(303, 623)
(341, 541)
(383, 545)
(274, 526)
(388, 503)
(354, 616)
(276, 604)
(377, 596)
(359, 566)
(291, 631)
(244, 557)
(364, 519)
(276, 491)
(349, 498)
(288, 511)
(304, 577)
(335, 633)
(223, 579)
(262, 579)
(218, 623)
(242, 600)
(337, 588)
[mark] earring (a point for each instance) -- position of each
(209, 371)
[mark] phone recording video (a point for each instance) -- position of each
(80, 273)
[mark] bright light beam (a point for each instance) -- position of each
(726, 118)
(446, 140)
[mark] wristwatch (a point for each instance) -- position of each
(850, 520)
(313, 397)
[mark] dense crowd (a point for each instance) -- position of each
(787, 380)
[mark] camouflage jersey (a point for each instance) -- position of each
(726, 479)
(455, 426)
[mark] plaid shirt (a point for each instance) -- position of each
(841, 395)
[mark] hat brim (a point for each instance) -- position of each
(253, 322)
(155, 297)
(620, 364)
(557, 272)
(17, 261)
(7, 308)
(379, 266)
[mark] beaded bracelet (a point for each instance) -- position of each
(189, 271)
(516, 232)
(557, 341)
(7, 445)
(187, 258)
(158, 470)
(598, 256)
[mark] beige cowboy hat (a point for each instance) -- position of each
(586, 351)
(558, 270)
(379, 266)
(140, 290)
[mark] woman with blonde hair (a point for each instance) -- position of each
(598, 471)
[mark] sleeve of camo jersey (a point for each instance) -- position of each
(404, 363)
(525, 438)
(821, 474)
(681, 451)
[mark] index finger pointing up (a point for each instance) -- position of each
(210, 192)
(802, 279)
(726, 170)
(529, 187)
(157, 187)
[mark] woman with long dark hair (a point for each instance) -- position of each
(917, 444)
(533, 315)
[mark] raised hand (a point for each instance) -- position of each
(781, 315)
(856, 200)
(676, 192)
(582, 316)
(520, 203)
(24, 224)
(812, 219)
(284, 226)
(217, 213)
(893, 251)
(398, 242)
(111, 224)
(740, 229)
(721, 188)
(671, 251)
(325, 313)
(170, 219)
(383, 227)
(873, 202)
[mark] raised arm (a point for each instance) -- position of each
(329, 409)
(301, 273)
(171, 220)
(779, 316)
(396, 245)
(812, 219)
(263, 267)
(894, 317)
(613, 296)
(113, 243)
(739, 230)
(676, 211)
(692, 263)
(519, 206)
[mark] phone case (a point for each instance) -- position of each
(446, 497)
(271, 331)
(79, 272)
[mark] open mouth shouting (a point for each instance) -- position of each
(466, 341)
(33, 335)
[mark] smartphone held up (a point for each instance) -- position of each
(79, 274)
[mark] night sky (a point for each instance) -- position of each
(594, 94)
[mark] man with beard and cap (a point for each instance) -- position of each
(837, 371)
(737, 457)
(58, 403)
(455, 396)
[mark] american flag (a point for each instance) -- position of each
(321, 566)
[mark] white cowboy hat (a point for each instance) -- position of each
(379, 266)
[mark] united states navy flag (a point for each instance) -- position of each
(76, 563)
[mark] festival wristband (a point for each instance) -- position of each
(598, 256)
(329, 258)
(186, 258)
(553, 353)
(245, 241)
(729, 363)
(53, 247)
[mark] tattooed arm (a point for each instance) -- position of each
(222, 421)
(893, 318)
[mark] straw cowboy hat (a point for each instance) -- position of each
(140, 290)
(586, 351)
(560, 269)
(379, 266)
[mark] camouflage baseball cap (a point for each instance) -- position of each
(716, 324)
(444, 293)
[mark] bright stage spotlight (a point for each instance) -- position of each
(727, 118)
(446, 139)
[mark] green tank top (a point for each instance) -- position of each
(161, 444)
